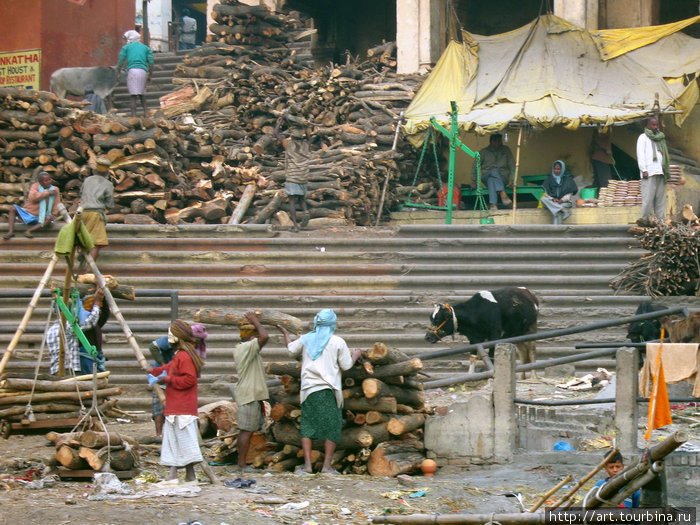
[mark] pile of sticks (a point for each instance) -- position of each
(672, 264)
(384, 413)
(53, 399)
(94, 450)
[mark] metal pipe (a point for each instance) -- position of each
(636, 484)
(463, 519)
(550, 334)
(520, 368)
(614, 345)
(594, 401)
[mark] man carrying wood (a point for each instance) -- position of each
(97, 197)
(296, 169)
(39, 210)
(323, 358)
(251, 389)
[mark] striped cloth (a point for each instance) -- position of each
(296, 161)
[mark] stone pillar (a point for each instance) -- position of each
(632, 13)
(505, 423)
(626, 392)
(419, 26)
(583, 13)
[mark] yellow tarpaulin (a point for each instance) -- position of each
(550, 73)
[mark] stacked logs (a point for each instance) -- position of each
(93, 450)
(53, 399)
(672, 264)
(384, 414)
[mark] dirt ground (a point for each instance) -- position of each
(285, 497)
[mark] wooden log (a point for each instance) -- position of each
(106, 141)
(374, 388)
(122, 460)
(396, 369)
(287, 464)
(394, 458)
(53, 396)
(93, 458)
(243, 204)
(61, 438)
(40, 408)
(282, 369)
(281, 411)
(265, 213)
(231, 317)
(51, 386)
(380, 404)
(401, 424)
(381, 354)
(70, 458)
(120, 291)
(388, 47)
(374, 417)
(214, 209)
(222, 414)
(93, 439)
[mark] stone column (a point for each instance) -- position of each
(505, 423)
(626, 392)
(418, 32)
(583, 13)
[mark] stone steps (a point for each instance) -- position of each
(382, 283)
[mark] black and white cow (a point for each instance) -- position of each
(489, 315)
(72, 80)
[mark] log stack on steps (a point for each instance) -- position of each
(384, 413)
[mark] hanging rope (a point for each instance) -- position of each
(430, 138)
(28, 412)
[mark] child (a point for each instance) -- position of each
(613, 467)
(251, 389)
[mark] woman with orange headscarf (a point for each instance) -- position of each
(180, 433)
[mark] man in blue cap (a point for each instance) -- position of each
(323, 358)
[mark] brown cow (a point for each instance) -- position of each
(681, 330)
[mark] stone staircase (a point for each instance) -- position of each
(161, 82)
(382, 283)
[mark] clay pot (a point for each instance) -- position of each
(428, 466)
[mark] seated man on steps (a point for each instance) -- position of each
(497, 166)
(40, 209)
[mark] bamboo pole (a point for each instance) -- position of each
(85, 377)
(515, 175)
(243, 204)
(583, 480)
(551, 491)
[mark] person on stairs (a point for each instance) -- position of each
(654, 171)
(251, 389)
(137, 59)
(296, 169)
(497, 167)
(40, 209)
(559, 188)
(97, 197)
(323, 358)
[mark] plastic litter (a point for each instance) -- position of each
(418, 494)
(295, 506)
(240, 483)
(563, 445)
(108, 483)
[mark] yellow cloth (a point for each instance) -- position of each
(96, 226)
(680, 361)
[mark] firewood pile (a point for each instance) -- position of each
(237, 86)
(78, 451)
(672, 266)
(53, 399)
(384, 414)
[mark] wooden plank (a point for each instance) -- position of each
(68, 422)
(89, 473)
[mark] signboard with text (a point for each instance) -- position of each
(21, 69)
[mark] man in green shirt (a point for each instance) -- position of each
(251, 389)
(137, 58)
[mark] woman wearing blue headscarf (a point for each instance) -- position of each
(323, 358)
(559, 189)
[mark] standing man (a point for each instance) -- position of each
(323, 358)
(40, 209)
(251, 389)
(497, 167)
(137, 58)
(188, 35)
(296, 170)
(97, 197)
(652, 158)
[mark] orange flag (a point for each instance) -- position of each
(659, 407)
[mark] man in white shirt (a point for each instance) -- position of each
(323, 358)
(652, 158)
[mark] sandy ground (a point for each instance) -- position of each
(320, 499)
